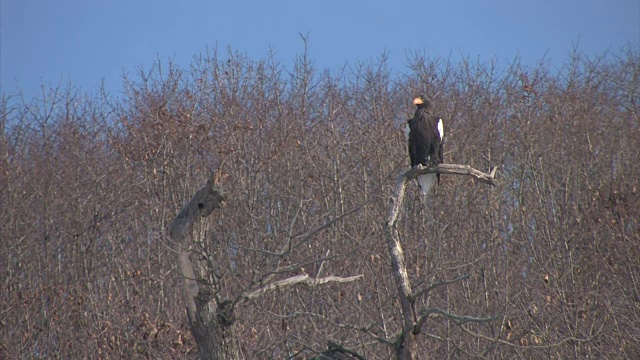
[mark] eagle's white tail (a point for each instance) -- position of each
(425, 182)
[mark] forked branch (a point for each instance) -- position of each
(405, 343)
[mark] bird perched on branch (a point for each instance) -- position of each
(425, 133)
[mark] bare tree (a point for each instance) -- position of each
(211, 317)
(90, 186)
(413, 320)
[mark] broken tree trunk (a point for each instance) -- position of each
(210, 318)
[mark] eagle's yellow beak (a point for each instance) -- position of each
(417, 101)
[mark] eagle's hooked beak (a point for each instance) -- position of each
(418, 101)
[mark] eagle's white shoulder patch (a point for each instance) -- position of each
(441, 129)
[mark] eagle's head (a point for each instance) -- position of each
(422, 102)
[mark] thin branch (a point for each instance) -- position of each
(448, 340)
(269, 275)
(322, 264)
(437, 285)
(303, 279)
(364, 329)
(337, 347)
(459, 319)
(308, 235)
(559, 343)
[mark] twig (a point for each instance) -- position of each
(559, 343)
(459, 319)
(364, 329)
(308, 235)
(431, 287)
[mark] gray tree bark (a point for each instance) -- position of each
(404, 344)
(210, 318)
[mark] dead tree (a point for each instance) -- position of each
(412, 320)
(211, 317)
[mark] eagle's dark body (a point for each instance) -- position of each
(426, 133)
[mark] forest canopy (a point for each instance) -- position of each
(90, 183)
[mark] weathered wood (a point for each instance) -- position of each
(211, 321)
(404, 346)
(211, 318)
(202, 204)
(303, 279)
(404, 343)
(453, 169)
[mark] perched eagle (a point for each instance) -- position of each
(425, 132)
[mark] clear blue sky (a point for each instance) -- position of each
(84, 42)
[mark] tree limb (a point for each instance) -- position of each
(333, 347)
(364, 329)
(559, 343)
(434, 286)
(459, 319)
(454, 169)
(405, 342)
(303, 279)
(410, 328)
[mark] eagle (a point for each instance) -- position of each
(425, 133)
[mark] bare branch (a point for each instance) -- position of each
(459, 319)
(437, 285)
(405, 296)
(364, 329)
(559, 343)
(303, 279)
(454, 169)
(398, 198)
(310, 234)
(335, 347)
